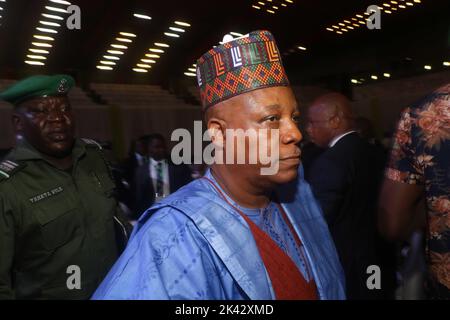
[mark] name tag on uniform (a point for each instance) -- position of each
(46, 195)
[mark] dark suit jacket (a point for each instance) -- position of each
(143, 191)
(345, 180)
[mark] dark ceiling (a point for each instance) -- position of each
(419, 33)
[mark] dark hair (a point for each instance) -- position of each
(155, 136)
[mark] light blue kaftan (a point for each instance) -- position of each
(193, 245)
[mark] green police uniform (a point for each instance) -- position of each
(57, 233)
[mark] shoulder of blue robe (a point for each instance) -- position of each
(168, 259)
(223, 228)
(307, 218)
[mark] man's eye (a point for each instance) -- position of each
(296, 118)
(272, 118)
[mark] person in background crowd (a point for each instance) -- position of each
(159, 177)
(419, 167)
(58, 212)
(345, 179)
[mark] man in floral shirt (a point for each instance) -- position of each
(420, 167)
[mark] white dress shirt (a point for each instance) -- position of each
(339, 137)
(165, 174)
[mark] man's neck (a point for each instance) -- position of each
(240, 190)
(61, 163)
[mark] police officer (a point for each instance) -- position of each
(57, 206)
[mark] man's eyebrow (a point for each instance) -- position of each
(273, 107)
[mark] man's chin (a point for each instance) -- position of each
(60, 149)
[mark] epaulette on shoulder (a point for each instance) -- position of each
(8, 168)
(92, 143)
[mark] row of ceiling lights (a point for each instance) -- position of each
(48, 25)
(158, 48)
(116, 50)
(1, 10)
(271, 6)
(375, 77)
(360, 19)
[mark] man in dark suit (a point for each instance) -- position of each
(157, 178)
(345, 180)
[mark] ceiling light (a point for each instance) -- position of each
(124, 40)
(386, 4)
(176, 29)
(402, 6)
(409, 4)
(341, 24)
(104, 68)
(41, 51)
(354, 81)
(127, 34)
(110, 63)
(275, 7)
(359, 16)
(446, 64)
(302, 48)
(119, 46)
(183, 24)
(236, 34)
(143, 65)
(52, 16)
(338, 32)
(139, 70)
(61, 2)
(41, 44)
(329, 29)
(427, 67)
(156, 50)
(34, 63)
(190, 74)
(374, 77)
(192, 69)
(32, 56)
(261, 3)
(114, 51)
(270, 11)
(388, 11)
(48, 23)
(284, 5)
(290, 1)
(142, 16)
(173, 35)
(148, 61)
(55, 9)
(394, 2)
(43, 37)
(151, 55)
(387, 75)
(417, 1)
(163, 45)
(346, 21)
(256, 7)
(111, 57)
(46, 30)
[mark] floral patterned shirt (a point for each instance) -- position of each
(421, 155)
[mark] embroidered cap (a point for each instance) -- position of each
(240, 65)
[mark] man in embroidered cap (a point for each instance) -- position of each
(236, 233)
(57, 236)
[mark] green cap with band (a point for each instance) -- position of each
(38, 86)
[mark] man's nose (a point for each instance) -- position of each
(292, 134)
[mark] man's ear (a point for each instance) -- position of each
(217, 129)
(17, 122)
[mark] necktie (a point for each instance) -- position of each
(159, 179)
